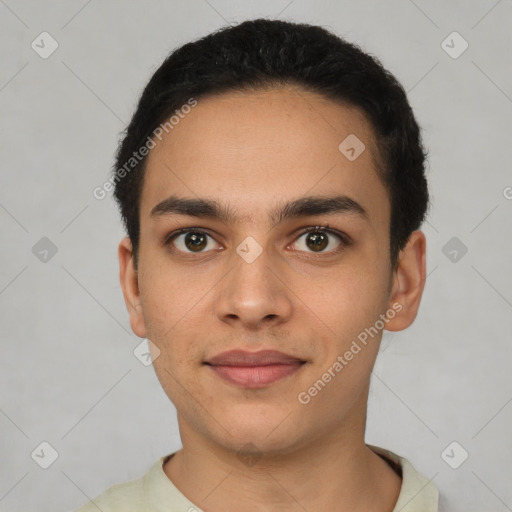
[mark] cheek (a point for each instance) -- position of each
(173, 305)
(349, 306)
(350, 300)
(174, 314)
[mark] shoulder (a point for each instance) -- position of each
(418, 493)
(122, 497)
(152, 491)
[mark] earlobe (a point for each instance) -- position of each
(408, 282)
(129, 280)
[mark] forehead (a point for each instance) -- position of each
(252, 149)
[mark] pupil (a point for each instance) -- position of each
(318, 241)
(196, 239)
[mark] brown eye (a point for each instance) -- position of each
(188, 241)
(195, 241)
(317, 240)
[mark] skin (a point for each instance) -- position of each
(262, 450)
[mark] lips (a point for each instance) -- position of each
(254, 369)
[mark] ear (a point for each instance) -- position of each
(130, 285)
(408, 283)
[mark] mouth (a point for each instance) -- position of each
(254, 369)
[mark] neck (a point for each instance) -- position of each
(335, 472)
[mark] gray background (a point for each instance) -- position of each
(68, 373)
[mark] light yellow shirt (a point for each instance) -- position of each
(154, 492)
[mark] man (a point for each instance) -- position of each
(272, 184)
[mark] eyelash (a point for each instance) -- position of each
(345, 240)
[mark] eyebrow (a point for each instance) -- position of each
(302, 207)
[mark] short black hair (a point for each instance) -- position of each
(261, 54)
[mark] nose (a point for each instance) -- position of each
(254, 294)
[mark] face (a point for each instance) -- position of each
(235, 254)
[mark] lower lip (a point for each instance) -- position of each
(255, 376)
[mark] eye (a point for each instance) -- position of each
(318, 238)
(191, 241)
(314, 239)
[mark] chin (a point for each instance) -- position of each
(271, 434)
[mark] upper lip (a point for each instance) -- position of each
(245, 358)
